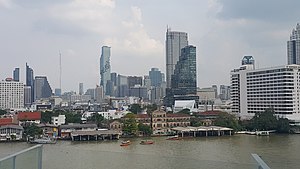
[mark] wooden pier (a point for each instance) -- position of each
(202, 131)
(95, 135)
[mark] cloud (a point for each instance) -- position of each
(6, 3)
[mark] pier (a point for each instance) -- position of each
(95, 135)
(202, 131)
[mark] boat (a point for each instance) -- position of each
(125, 143)
(145, 142)
(176, 137)
(262, 133)
(45, 140)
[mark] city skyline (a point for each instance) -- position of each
(223, 31)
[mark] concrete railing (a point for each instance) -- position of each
(30, 158)
(260, 162)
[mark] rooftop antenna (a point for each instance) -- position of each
(60, 68)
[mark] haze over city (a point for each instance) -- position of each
(222, 31)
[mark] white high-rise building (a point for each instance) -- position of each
(254, 91)
(11, 94)
(293, 46)
(175, 41)
(105, 67)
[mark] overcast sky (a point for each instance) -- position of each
(223, 31)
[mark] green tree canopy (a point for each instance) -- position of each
(130, 125)
(185, 111)
(2, 112)
(96, 118)
(32, 130)
(135, 108)
(145, 129)
(227, 120)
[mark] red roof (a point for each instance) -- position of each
(142, 116)
(29, 116)
(177, 115)
(6, 121)
(210, 113)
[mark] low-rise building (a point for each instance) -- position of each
(49, 130)
(59, 120)
(66, 130)
(11, 133)
(116, 125)
(29, 117)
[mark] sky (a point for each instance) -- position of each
(223, 31)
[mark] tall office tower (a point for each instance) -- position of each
(175, 41)
(122, 86)
(184, 80)
(57, 92)
(42, 88)
(135, 80)
(105, 67)
(293, 46)
(113, 77)
(99, 95)
(249, 62)
(147, 82)
(155, 76)
(91, 92)
(80, 88)
(224, 92)
(215, 87)
(11, 94)
(16, 74)
(30, 80)
(27, 96)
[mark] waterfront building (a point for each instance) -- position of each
(11, 94)
(49, 130)
(255, 90)
(80, 89)
(66, 130)
(293, 46)
(175, 41)
(30, 81)
(42, 88)
(11, 133)
(16, 74)
(155, 77)
(105, 67)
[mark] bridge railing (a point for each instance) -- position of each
(30, 158)
(260, 162)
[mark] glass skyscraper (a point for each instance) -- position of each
(155, 76)
(175, 41)
(105, 67)
(42, 88)
(293, 46)
(30, 81)
(16, 75)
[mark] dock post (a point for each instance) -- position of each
(194, 133)
(181, 134)
(96, 137)
(79, 137)
(88, 137)
(218, 132)
(206, 133)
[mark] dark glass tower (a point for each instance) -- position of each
(42, 88)
(30, 81)
(293, 46)
(16, 74)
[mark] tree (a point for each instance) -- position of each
(96, 118)
(145, 129)
(283, 126)
(73, 117)
(227, 120)
(130, 125)
(195, 122)
(185, 111)
(47, 115)
(151, 108)
(32, 130)
(263, 121)
(2, 112)
(135, 108)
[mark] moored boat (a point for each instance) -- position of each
(176, 137)
(144, 142)
(43, 141)
(125, 143)
(262, 133)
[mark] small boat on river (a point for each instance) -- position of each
(145, 142)
(125, 143)
(262, 133)
(45, 140)
(176, 137)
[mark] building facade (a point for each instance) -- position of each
(30, 80)
(175, 41)
(16, 74)
(253, 91)
(293, 46)
(42, 88)
(11, 94)
(155, 76)
(105, 67)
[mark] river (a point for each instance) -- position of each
(226, 152)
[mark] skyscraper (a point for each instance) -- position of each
(293, 46)
(30, 81)
(16, 74)
(42, 88)
(155, 77)
(80, 88)
(11, 94)
(105, 67)
(175, 41)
